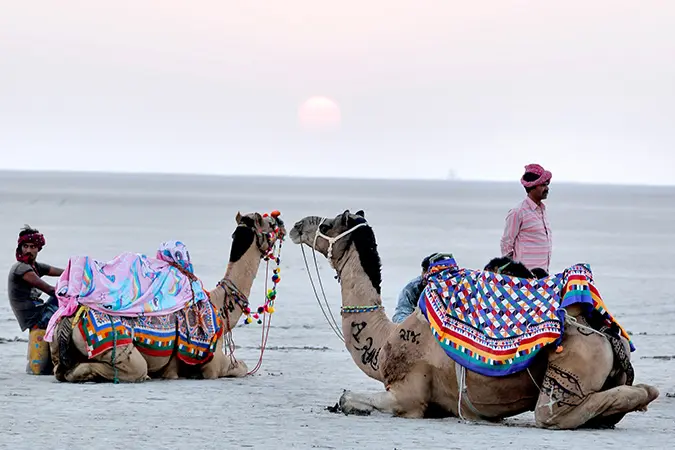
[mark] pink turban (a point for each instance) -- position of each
(544, 175)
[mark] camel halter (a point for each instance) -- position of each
(333, 240)
(332, 322)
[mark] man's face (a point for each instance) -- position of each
(28, 248)
(541, 192)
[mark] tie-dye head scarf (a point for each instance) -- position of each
(176, 254)
(34, 238)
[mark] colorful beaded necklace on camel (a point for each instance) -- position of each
(264, 312)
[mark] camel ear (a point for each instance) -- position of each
(258, 220)
(344, 219)
(361, 213)
(237, 218)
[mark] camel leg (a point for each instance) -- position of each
(171, 370)
(616, 401)
(54, 352)
(214, 368)
(405, 398)
(130, 366)
(364, 404)
(571, 395)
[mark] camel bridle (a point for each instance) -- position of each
(265, 241)
(334, 239)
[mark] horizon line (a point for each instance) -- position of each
(312, 177)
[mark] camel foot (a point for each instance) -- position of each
(364, 404)
(652, 394)
(171, 370)
(58, 374)
(354, 404)
(81, 373)
(236, 369)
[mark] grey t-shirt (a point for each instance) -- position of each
(24, 298)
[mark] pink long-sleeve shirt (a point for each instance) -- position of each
(527, 235)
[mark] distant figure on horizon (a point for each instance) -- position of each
(527, 233)
(25, 282)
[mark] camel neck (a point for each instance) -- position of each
(242, 274)
(243, 271)
(365, 333)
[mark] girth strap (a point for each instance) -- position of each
(463, 394)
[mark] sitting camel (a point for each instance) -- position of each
(564, 388)
(253, 239)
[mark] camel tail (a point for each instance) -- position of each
(64, 332)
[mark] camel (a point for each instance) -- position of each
(253, 239)
(564, 389)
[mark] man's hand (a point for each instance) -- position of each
(35, 281)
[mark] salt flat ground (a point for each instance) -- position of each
(627, 234)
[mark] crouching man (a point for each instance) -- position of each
(25, 285)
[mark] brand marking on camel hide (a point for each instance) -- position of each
(409, 336)
(359, 328)
(369, 355)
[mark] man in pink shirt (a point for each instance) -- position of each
(527, 234)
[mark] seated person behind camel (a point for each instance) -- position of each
(410, 295)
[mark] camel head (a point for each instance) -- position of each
(508, 266)
(330, 237)
(262, 230)
(334, 238)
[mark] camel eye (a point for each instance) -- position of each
(323, 228)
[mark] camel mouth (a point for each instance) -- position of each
(304, 229)
(296, 234)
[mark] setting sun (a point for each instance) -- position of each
(319, 113)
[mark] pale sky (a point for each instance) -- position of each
(586, 88)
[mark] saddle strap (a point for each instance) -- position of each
(622, 358)
(463, 393)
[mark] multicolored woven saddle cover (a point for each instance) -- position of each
(192, 331)
(494, 324)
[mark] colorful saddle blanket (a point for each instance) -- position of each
(494, 324)
(130, 285)
(193, 332)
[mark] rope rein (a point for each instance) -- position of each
(332, 322)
